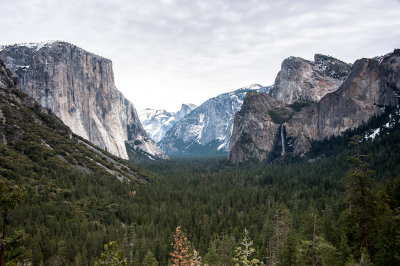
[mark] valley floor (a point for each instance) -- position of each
(287, 213)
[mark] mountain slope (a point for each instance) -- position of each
(35, 133)
(158, 122)
(371, 85)
(77, 195)
(207, 129)
(79, 88)
(303, 80)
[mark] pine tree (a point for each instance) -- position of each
(360, 195)
(10, 196)
(226, 249)
(212, 257)
(277, 243)
(128, 242)
(149, 259)
(245, 251)
(37, 256)
(181, 254)
(317, 251)
(136, 259)
(111, 256)
(197, 261)
(289, 255)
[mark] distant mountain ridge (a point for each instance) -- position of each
(78, 86)
(207, 129)
(158, 122)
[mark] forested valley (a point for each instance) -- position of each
(64, 201)
(338, 205)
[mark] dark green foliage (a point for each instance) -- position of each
(74, 201)
(290, 253)
(10, 196)
(280, 115)
(359, 185)
(212, 257)
(74, 206)
(149, 259)
(298, 105)
(211, 199)
(111, 256)
(195, 150)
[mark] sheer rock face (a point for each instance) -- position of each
(79, 88)
(371, 85)
(12, 101)
(302, 80)
(254, 130)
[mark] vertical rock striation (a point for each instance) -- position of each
(256, 130)
(79, 88)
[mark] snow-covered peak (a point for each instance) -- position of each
(382, 57)
(185, 109)
(38, 47)
(149, 113)
(255, 87)
(189, 105)
(331, 66)
(157, 122)
(30, 45)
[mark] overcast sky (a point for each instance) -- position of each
(168, 52)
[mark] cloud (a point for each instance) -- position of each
(171, 51)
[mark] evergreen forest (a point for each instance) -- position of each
(334, 207)
(64, 201)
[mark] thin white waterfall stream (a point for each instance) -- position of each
(283, 141)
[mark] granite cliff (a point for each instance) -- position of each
(255, 131)
(79, 88)
(32, 138)
(303, 80)
(266, 128)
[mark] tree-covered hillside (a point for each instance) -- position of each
(214, 203)
(74, 193)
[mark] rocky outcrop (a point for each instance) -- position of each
(79, 88)
(256, 131)
(207, 129)
(302, 80)
(371, 85)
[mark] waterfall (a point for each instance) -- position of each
(283, 141)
